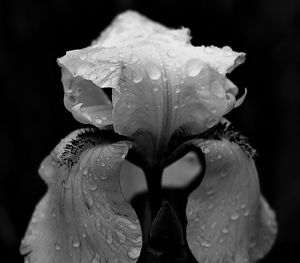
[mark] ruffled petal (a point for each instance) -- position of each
(84, 216)
(160, 82)
(228, 219)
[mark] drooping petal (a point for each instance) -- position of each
(160, 82)
(228, 219)
(84, 216)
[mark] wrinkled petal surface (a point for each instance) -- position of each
(84, 216)
(160, 82)
(228, 219)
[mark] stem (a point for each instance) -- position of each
(153, 178)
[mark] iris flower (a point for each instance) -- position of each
(168, 98)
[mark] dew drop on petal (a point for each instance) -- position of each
(205, 243)
(155, 89)
(137, 76)
(75, 242)
(153, 71)
(225, 230)
(234, 216)
(98, 121)
(103, 177)
(177, 89)
(246, 213)
(193, 67)
(57, 246)
(133, 252)
(93, 187)
(206, 150)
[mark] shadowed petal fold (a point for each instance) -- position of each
(84, 216)
(228, 219)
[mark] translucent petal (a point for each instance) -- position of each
(160, 82)
(228, 219)
(84, 216)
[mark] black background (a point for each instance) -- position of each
(33, 118)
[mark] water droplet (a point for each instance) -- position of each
(221, 240)
(121, 236)
(83, 234)
(137, 240)
(177, 89)
(175, 107)
(209, 191)
(57, 246)
(82, 56)
(76, 242)
(193, 67)
(225, 230)
(246, 213)
(243, 206)
(172, 53)
(109, 236)
(102, 164)
(155, 89)
(137, 76)
(103, 176)
(90, 201)
(153, 71)
(133, 252)
(227, 48)
(93, 187)
(205, 243)
(234, 216)
(85, 171)
(206, 150)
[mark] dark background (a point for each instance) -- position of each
(33, 118)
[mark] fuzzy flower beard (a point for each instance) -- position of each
(166, 95)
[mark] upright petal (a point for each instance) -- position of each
(228, 219)
(160, 82)
(84, 216)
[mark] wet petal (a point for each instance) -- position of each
(160, 82)
(227, 217)
(84, 216)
